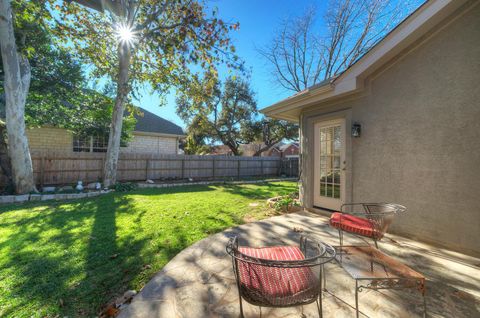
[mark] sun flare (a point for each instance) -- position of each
(125, 34)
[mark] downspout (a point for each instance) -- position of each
(301, 190)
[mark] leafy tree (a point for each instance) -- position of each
(268, 132)
(219, 111)
(134, 42)
(228, 114)
(16, 33)
(196, 141)
(57, 95)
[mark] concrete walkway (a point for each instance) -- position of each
(199, 281)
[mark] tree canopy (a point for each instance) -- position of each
(227, 113)
(58, 94)
(172, 42)
(219, 111)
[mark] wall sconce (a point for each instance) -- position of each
(356, 130)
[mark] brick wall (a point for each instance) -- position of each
(58, 139)
(49, 139)
(151, 144)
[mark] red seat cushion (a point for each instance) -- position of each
(276, 286)
(353, 224)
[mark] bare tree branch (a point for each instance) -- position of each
(300, 58)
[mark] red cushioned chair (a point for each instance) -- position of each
(280, 276)
(372, 222)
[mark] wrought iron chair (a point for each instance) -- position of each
(372, 222)
(280, 276)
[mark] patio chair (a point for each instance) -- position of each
(372, 222)
(280, 276)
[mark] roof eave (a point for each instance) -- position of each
(277, 110)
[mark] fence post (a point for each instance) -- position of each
(261, 167)
(213, 168)
(147, 164)
(102, 166)
(238, 169)
(183, 168)
(42, 171)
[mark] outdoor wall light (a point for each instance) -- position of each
(356, 130)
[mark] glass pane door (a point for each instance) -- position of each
(330, 165)
(330, 158)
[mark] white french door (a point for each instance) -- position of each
(329, 165)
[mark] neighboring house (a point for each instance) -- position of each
(152, 135)
(290, 150)
(221, 150)
(415, 97)
(280, 149)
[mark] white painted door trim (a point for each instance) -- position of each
(323, 201)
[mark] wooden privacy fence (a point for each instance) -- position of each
(66, 168)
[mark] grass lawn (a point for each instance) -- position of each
(70, 258)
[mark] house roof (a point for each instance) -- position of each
(422, 21)
(151, 123)
(285, 146)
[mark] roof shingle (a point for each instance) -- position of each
(150, 122)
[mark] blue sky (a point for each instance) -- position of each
(258, 21)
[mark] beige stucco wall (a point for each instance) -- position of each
(142, 143)
(420, 142)
(58, 139)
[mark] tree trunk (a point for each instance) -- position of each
(265, 148)
(5, 163)
(17, 83)
(111, 162)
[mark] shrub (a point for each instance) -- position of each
(125, 187)
(284, 203)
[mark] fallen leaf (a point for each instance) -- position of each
(113, 256)
(297, 229)
(110, 311)
(61, 303)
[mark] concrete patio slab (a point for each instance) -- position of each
(199, 281)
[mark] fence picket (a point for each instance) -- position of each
(66, 168)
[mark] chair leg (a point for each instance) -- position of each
(319, 306)
(241, 306)
(376, 244)
(324, 278)
(340, 237)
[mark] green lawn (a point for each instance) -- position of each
(70, 258)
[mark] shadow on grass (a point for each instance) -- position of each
(65, 258)
(70, 258)
(267, 190)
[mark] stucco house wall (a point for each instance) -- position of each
(420, 141)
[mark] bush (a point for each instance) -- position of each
(124, 187)
(285, 203)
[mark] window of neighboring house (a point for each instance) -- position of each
(81, 144)
(100, 144)
(90, 144)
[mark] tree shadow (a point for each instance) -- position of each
(267, 190)
(65, 257)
